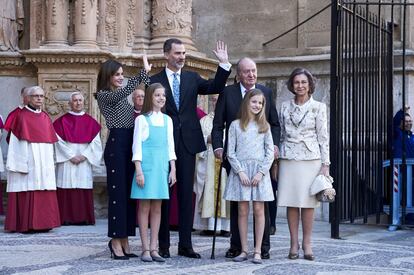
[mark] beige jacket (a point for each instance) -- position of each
(304, 134)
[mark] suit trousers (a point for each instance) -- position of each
(185, 167)
(234, 228)
(119, 174)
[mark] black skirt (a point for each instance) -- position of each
(119, 174)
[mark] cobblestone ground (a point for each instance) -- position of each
(83, 250)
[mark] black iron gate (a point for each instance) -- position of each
(361, 108)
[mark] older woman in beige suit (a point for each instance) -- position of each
(304, 153)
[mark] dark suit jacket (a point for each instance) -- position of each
(227, 108)
(185, 121)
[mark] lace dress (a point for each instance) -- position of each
(251, 152)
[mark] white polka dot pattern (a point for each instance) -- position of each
(114, 105)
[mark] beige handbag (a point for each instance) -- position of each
(322, 188)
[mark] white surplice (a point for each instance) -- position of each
(30, 166)
(204, 186)
(71, 176)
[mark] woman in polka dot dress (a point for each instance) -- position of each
(119, 117)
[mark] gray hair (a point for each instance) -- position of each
(75, 93)
(238, 65)
(33, 89)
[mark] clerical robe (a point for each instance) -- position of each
(31, 185)
(206, 185)
(78, 135)
(1, 167)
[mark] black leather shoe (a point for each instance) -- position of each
(225, 234)
(164, 252)
(188, 252)
(232, 252)
(206, 233)
(265, 255)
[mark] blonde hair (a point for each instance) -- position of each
(245, 115)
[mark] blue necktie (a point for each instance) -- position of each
(176, 90)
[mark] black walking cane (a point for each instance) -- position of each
(216, 210)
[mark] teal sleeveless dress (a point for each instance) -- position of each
(155, 164)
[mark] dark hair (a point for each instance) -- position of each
(108, 69)
(168, 44)
(299, 71)
(149, 92)
(244, 112)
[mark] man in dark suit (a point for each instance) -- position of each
(182, 88)
(227, 107)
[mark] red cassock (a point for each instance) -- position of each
(32, 210)
(1, 184)
(9, 121)
(76, 204)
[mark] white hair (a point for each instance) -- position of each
(75, 93)
(33, 89)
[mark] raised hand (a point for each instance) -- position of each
(147, 66)
(221, 52)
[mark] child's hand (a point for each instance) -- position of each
(140, 180)
(244, 178)
(257, 178)
(172, 178)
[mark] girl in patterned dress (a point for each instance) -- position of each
(250, 153)
(153, 155)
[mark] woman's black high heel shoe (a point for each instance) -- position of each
(129, 255)
(113, 255)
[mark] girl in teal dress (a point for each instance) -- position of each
(154, 158)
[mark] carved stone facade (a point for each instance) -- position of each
(63, 42)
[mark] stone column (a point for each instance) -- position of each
(171, 18)
(57, 23)
(85, 21)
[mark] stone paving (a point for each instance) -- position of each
(363, 249)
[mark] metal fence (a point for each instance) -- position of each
(361, 108)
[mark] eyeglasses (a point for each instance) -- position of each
(37, 96)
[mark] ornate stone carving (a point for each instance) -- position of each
(147, 15)
(110, 22)
(37, 5)
(58, 93)
(172, 16)
(101, 34)
(130, 22)
(11, 23)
